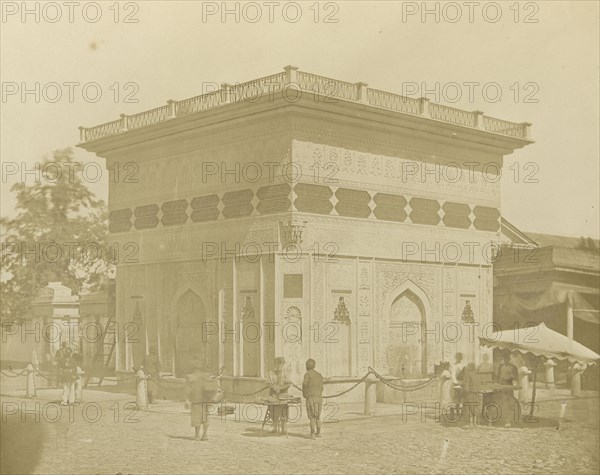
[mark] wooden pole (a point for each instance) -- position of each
(532, 408)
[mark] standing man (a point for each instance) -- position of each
(507, 373)
(486, 369)
(312, 390)
(202, 390)
(68, 377)
(507, 376)
(59, 361)
(152, 369)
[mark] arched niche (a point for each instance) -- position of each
(408, 310)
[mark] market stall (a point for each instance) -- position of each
(543, 343)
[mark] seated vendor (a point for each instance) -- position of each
(507, 373)
(279, 384)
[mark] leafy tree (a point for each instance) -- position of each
(58, 234)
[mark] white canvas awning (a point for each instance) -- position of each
(541, 341)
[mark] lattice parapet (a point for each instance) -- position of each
(289, 84)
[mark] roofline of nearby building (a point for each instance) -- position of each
(512, 229)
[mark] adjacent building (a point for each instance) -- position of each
(551, 279)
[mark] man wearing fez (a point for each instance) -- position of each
(202, 390)
(312, 390)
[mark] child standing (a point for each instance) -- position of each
(472, 389)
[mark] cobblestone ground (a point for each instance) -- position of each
(123, 441)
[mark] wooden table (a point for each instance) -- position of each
(499, 395)
(284, 404)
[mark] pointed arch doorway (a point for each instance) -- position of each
(406, 352)
(190, 349)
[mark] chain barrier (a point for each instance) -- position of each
(405, 389)
(115, 379)
(361, 380)
(11, 375)
(47, 378)
(400, 387)
(20, 374)
(350, 388)
(252, 393)
(175, 384)
(182, 385)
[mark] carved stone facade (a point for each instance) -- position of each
(302, 230)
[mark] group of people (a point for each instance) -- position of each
(204, 389)
(461, 385)
(68, 374)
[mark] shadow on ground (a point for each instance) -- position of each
(523, 422)
(21, 440)
(259, 433)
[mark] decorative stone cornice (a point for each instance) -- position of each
(277, 90)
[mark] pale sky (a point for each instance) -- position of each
(170, 52)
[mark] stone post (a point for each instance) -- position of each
(171, 103)
(526, 130)
(478, 120)
(30, 380)
(524, 373)
(82, 134)
(226, 90)
(569, 319)
(361, 92)
(370, 394)
(445, 390)
(550, 364)
(424, 106)
(124, 125)
(576, 371)
(561, 417)
(291, 74)
(141, 397)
